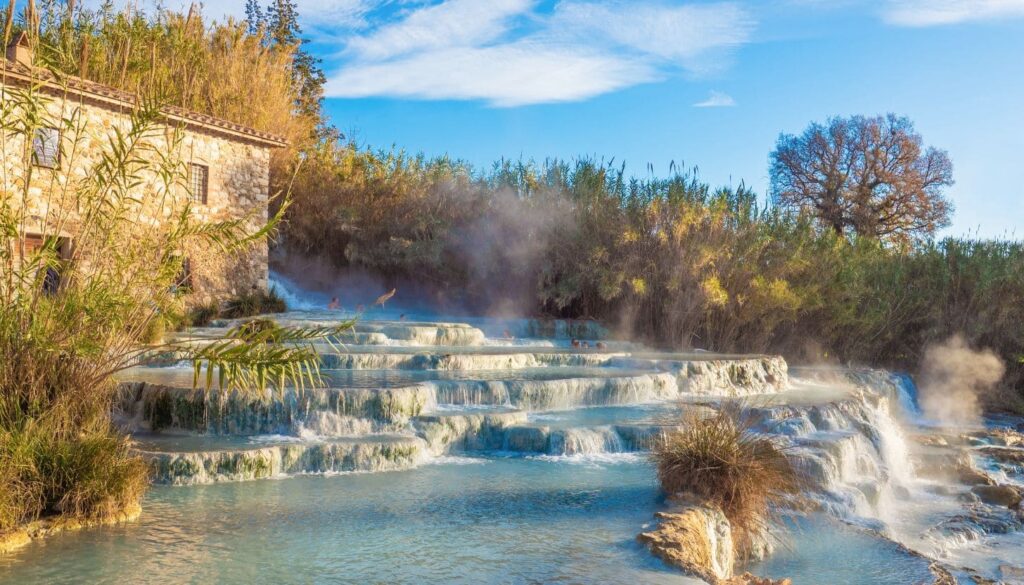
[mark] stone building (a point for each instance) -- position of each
(228, 165)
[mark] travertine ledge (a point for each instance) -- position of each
(22, 536)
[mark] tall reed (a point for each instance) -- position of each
(76, 309)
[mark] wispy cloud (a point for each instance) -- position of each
(512, 53)
(671, 32)
(455, 23)
(920, 13)
(716, 99)
(507, 75)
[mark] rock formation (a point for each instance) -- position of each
(699, 539)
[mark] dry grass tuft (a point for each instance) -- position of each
(720, 460)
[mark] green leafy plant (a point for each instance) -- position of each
(72, 317)
(203, 315)
(252, 303)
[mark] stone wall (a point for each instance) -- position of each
(238, 184)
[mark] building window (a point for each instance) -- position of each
(46, 147)
(198, 182)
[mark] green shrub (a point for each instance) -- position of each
(252, 303)
(203, 315)
(154, 332)
(60, 348)
(91, 476)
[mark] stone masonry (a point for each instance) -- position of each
(236, 159)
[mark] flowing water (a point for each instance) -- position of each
(458, 520)
(500, 451)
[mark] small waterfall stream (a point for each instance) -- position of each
(294, 297)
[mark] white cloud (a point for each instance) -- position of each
(510, 53)
(671, 32)
(716, 99)
(920, 13)
(335, 13)
(451, 24)
(508, 75)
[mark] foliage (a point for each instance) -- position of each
(248, 304)
(202, 315)
(73, 316)
(867, 176)
(719, 459)
(218, 69)
(669, 260)
(252, 303)
(266, 329)
(259, 354)
(279, 26)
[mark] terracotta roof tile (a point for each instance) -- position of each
(20, 73)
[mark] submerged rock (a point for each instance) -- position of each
(750, 579)
(1002, 437)
(559, 393)
(1011, 460)
(951, 465)
(733, 377)
(154, 407)
(466, 432)
(1011, 574)
(977, 521)
(999, 495)
(24, 535)
(941, 574)
(242, 464)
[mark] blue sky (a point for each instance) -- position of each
(710, 84)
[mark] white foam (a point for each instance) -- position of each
(277, 438)
(455, 460)
(596, 460)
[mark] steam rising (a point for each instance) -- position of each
(496, 246)
(954, 377)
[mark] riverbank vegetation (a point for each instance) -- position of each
(847, 272)
(672, 261)
(73, 316)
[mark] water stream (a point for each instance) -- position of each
(441, 452)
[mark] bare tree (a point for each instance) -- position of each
(868, 176)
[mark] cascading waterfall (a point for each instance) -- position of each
(858, 453)
(295, 298)
(587, 442)
(859, 447)
(405, 393)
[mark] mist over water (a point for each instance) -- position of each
(483, 255)
(954, 378)
(294, 297)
